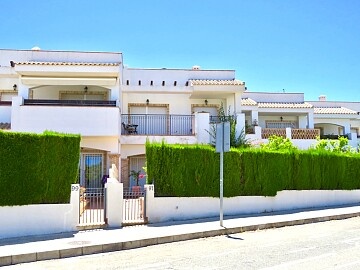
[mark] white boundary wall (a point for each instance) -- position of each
(179, 208)
(40, 218)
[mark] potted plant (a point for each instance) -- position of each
(136, 176)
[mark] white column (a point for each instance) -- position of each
(114, 203)
(258, 133)
(254, 117)
(72, 217)
(23, 91)
(150, 202)
(237, 105)
(288, 133)
(311, 119)
(240, 124)
(303, 122)
(347, 128)
(202, 127)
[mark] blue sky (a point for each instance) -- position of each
(310, 46)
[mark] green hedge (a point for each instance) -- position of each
(193, 170)
(37, 168)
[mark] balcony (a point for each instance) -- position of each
(85, 117)
(157, 124)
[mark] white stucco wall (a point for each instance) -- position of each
(5, 114)
(53, 92)
(179, 103)
(110, 144)
(170, 75)
(171, 208)
(39, 219)
(87, 121)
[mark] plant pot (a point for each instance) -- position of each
(136, 189)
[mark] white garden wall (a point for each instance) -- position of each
(179, 208)
(41, 218)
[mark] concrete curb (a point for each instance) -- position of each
(26, 257)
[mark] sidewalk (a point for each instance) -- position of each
(36, 248)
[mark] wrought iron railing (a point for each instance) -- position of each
(157, 124)
(92, 206)
(5, 103)
(53, 102)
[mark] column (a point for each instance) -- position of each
(202, 127)
(23, 91)
(150, 211)
(311, 119)
(254, 117)
(240, 124)
(114, 203)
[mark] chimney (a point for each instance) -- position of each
(322, 98)
(195, 67)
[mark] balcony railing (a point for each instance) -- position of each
(52, 102)
(267, 132)
(305, 133)
(158, 124)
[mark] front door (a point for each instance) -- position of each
(91, 170)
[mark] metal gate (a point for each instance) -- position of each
(92, 207)
(134, 207)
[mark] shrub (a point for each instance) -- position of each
(193, 170)
(37, 168)
(278, 143)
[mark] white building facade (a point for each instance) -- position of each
(116, 109)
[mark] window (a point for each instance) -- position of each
(127, 82)
(175, 83)
(151, 83)
(163, 83)
(139, 82)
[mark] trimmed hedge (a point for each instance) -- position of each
(193, 171)
(37, 168)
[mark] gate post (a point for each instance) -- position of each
(75, 204)
(149, 202)
(114, 203)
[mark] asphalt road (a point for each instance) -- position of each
(326, 245)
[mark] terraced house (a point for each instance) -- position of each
(116, 108)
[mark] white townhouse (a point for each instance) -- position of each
(114, 108)
(71, 92)
(175, 105)
(290, 116)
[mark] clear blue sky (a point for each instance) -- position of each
(310, 46)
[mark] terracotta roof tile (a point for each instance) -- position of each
(216, 82)
(333, 110)
(5, 126)
(287, 105)
(66, 63)
(248, 102)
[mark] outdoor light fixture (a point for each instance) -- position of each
(206, 102)
(85, 89)
(147, 102)
(14, 87)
